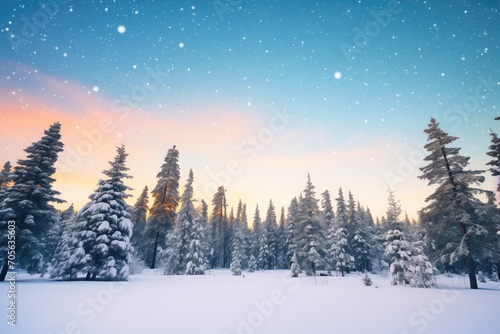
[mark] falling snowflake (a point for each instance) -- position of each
(337, 75)
(121, 29)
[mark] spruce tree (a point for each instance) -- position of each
(311, 241)
(256, 232)
(28, 203)
(4, 180)
(99, 243)
(139, 215)
(291, 229)
(162, 214)
(327, 209)
(238, 246)
(271, 227)
(220, 230)
(196, 259)
(453, 207)
(281, 260)
(179, 244)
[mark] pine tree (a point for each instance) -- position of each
(263, 257)
(295, 267)
(252, 264)
(207, 233)
(495, 154)
(256, 232)
(179, 244)
(196, 260)
(291, 229)
(326, 206)
(4, 180)
(139, 218)
(70, 257)
(162, 214)
(100, 241)
(453, 207)
(271, 227)
(339, 253)
(220, 230)
(238, 245)
(360, 238)
(27, 202)
(282, 261)
(310, 232)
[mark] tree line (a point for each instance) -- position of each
(108, 238)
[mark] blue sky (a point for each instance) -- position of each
(210, 75)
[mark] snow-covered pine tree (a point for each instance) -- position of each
(139, 218)
(256, 232)
(70, 258)
(220, 230)
(311, 241)
(238, 246)
(453, 206)
(295, 267)
(27, 202)
(262, 259)
(207, 233)
(291, 229)
(162, 214)
(252, 264)
(271, 227)
(327, 209)
(341, 208)
(4, 180)
(196, 259)
(108, 218)
(178, 246)
(282, 260)
(339, 253)
(494, 152)
(408, 263)
(360, 238)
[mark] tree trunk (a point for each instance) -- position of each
(5, 268)
(155, 249)
(469, 261)
(87, 278)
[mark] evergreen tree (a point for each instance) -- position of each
(104, 228)
(252, 264)
(4, 180)
(495, 154)
(162, 214)
(326, 206)
(282, 260)
(256, 232)
(179, 244)
(291, 229)
(220, 230)
(70, 257)
(196, 260)
(310, 233)
(339, 253)
(263, 257)
(238, 245)
(139, 215)
(295, 267)
(27, 202)
(453, 207)
(207, 233)
(271, 227)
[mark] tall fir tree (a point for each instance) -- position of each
(271, 227)
(220, 230)
(256, 232)
(28, 203)
(162, 214)
(281, 260)
(179, 243)
(311, 241)
(452, 207)
(139, 218)
(196, 260)
(327, 209)
(291, 229)
(104, 228)
(4, 180)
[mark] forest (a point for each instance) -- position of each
(458, 231)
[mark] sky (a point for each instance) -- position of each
(254, 94)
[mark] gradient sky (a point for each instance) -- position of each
(338, 89)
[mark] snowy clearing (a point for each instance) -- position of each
(260, 302)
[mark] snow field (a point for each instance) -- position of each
(260, 302)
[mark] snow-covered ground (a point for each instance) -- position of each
(261, 302)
